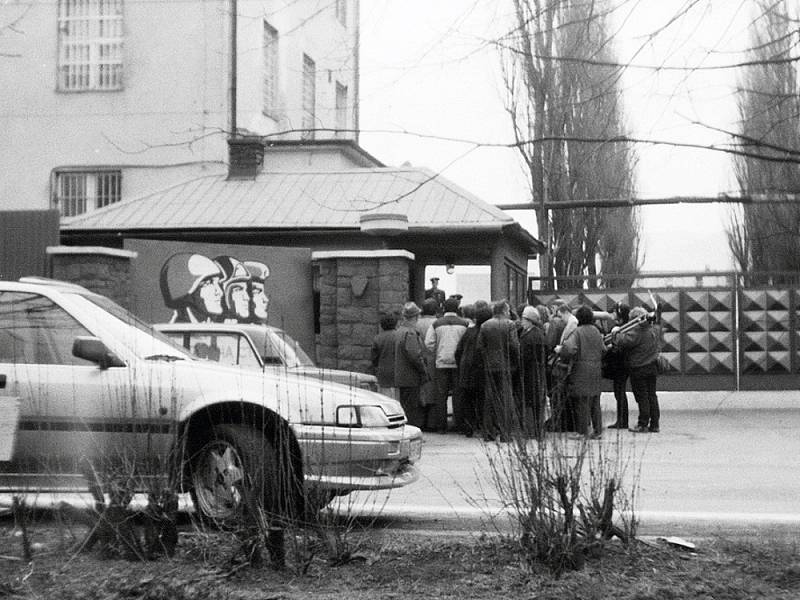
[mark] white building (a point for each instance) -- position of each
(104, 100)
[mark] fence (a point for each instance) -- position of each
(720, 330)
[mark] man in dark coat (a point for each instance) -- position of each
(410, 370)
(499, 347)
(533, 357)
(382, 355)
(471, 373)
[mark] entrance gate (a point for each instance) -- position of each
(719, 330)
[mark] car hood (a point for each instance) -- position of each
(297, 396)
(333, 375)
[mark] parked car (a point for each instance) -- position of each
(101, 391)
(257, 346)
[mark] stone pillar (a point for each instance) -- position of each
(356, 287)
(105, 271)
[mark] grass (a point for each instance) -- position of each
(399, 564)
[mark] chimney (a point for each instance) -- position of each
(246, 156)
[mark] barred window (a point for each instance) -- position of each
(78, 192)
(270, 90)
(89, 45)
(309, 97)
(341, 107)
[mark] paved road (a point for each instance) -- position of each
(723, 462)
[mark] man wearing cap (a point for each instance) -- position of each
(410, 370)
(437, 294)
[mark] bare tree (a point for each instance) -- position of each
(568, 103)
(767, 237)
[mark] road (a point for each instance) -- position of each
(726, 468)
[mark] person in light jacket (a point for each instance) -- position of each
(442, 339)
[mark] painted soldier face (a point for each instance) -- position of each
(211, 294)
(260, 302)
(241, 301)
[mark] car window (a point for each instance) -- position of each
(35, 330)
(282, 344)
(225, 348)
(124, 327)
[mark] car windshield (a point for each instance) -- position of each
(135, 333)
(276, 347)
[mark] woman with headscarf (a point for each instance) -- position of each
(585, 347)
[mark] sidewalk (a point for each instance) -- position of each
(712, 401)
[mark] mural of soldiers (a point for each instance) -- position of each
(190, 285)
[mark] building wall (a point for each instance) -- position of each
(171, 120)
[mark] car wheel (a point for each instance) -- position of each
(234, 472)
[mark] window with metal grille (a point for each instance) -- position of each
(270, 91)
(309, 97)
(341, 107)
(78, 192)
(89, 45)
(341, 11)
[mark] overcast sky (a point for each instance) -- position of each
(426, 69)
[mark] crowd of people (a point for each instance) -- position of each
(511, 371)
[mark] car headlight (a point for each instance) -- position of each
(353, 415)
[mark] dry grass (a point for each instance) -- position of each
(396, 564)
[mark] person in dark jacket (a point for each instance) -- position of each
(585, 347)
(615, 365)
(641, 346)
(471, 373)
(561, 414)
(499, 347)
(533, 358)
(410, 369)
(382, 355)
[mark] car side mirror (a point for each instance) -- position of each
(94, 350)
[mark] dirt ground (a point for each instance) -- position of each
(381, 564)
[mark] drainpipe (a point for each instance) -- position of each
(234, 64)
(356, 69)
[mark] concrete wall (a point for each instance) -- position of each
(355, 289)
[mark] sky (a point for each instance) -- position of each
(427, 69)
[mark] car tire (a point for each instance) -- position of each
(235, 473)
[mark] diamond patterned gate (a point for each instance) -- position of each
(723, 338)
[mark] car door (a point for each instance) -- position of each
(69, 407)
